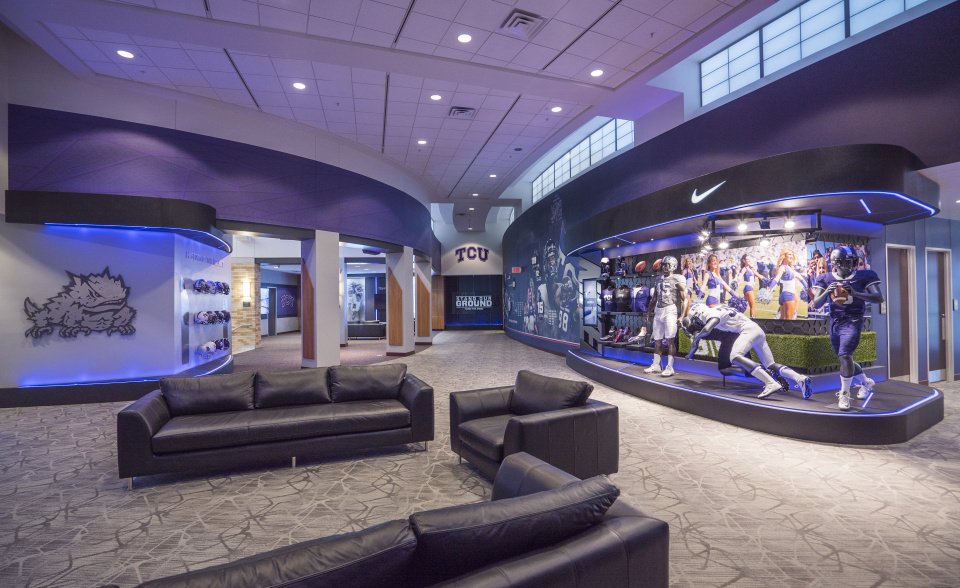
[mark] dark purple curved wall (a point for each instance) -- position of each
(65, 152)
(901, 87)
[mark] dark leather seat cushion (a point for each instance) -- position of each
(291, 388)
(208, 394)
(369, 382)
(485, 436)
(233, 429)
(359, 560)
(534, 393)
(456, 540)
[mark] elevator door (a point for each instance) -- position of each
(938, 343)
(901, 330)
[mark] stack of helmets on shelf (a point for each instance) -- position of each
(208, 349)
(212, 317)
(205, 287)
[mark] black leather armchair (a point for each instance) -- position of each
(577, 435)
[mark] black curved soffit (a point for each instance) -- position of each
(872, 183)
(193, 220)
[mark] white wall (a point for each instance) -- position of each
(246, 246)
(451, 240)
(36, 79)
(35, 261)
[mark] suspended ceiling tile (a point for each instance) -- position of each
(86, 50)
(372, 37)
(425, 28)
(345, 11)
(583, 11)
(206, 92)
(336, 103)
(557, 35)
(381, 17)
(331, 29)
(709, 18)
(445, 9)
(651, 33)
(309, 114)
(266, 98)
(501, 47)
(239, 11)
(336, 89)
(621, 55)
(331, 72)
(673, 42)
(414, 46)
(107, 69)
(191, 7)
(106, 36)
(211, 60)
(405, 108)
(591, 45)
(227, 80)
(483, 14)
(534, 56)
(368, 107)
(650, 7)
(253, 64)
(286, 20)
(185, 77)
(568, 65)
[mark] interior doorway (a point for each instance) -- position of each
(901, 303)
(939, 323)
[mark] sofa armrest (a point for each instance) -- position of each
(583, 441)
(417, 396)
(136, 426)
(521, 474)
(476, 404)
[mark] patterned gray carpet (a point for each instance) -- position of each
(745, 508)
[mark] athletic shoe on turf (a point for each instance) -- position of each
(806, 387)
(844, 400)
(653, 369)
(866, 387)
(770, 389)
(667, 371)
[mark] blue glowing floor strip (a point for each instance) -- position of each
(774, 407)
(926, 208)
(223, 361)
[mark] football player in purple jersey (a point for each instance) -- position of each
(848, 289)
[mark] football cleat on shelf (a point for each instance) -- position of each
(622, 335)
(769, 389)
(866, 388)
(609, 336)
(844, 400)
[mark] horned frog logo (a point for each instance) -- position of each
(94, 302)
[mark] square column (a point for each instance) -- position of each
(320, 299)
(400, 299)
(424, 310)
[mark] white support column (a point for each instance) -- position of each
(424, 329)
(320, 288)
(400, 300)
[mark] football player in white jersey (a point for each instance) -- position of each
(702, 320)
(668, 302)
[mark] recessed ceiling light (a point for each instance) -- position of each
(478, 195)
(126, 54)
(596, 73)
(300, 85)
(789, 224)
(464, 38)
(493, 175)
(742, 226)
(556, 109)
(421, 142)
(436, 97)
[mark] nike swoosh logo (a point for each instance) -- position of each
(696, 198)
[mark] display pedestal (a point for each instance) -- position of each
(896, 412)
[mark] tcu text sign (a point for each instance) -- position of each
(472, 252)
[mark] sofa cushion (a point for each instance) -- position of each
(453, 541)
(368, 382)
(233, 429)
(206, 394)
(372, 558)
(485, 436)
(535, 393)
(291, 388)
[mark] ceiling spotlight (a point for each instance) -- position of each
(464, 38)
(789, 224)
(742, 226)
(493, 175)
(723, 245)
(471, 209)
(597, 73)
(474, 194)
(300, 85)
(436, 97)
(126, 54)
(421, 142)
(707, 247)
(604, 260)
(765, 243)
(556, 109)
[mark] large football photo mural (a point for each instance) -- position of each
(543, 299)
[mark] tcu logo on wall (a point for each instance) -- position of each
(472, 252)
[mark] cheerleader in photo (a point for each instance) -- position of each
(787, 277)
(690, 275)
(712, 283)
(748, 277)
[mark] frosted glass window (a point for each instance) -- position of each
(822, 40)
(822, 25)
(563, 169)
(624, 134)
(538, 188)
(911, 3)
(747, 77)
(715, 93)
(865, 14)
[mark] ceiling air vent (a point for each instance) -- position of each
(461, 112)
(522, 24)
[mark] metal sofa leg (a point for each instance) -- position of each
(128, 483)
(426, 444)
(293, 461)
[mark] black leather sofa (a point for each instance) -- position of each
(543, 528)
(264, 419)
(550, 418)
